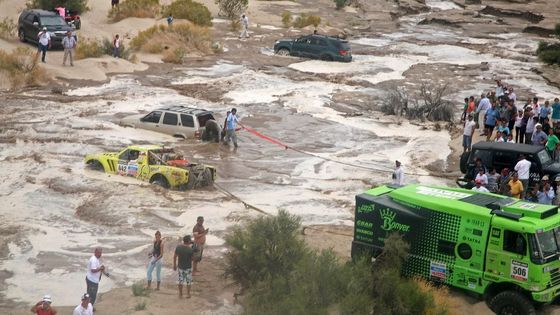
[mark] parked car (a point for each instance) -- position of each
(154, 164)
(316, 47)
(178, 121)
(502, 155)
(31, 22)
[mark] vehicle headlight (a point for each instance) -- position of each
(277, 42)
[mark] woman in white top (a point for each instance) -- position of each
(518, 124)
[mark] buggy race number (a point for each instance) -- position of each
(519, 270)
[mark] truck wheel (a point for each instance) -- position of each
(96, 166)
(78, 24)
(512, 303)
(283, 52)
(21, 35)
(206, 178)
(463, 162)
(160, 180)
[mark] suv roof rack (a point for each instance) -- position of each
(185, 110)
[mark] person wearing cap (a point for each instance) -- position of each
(398, 174)
(468, 132)
(478, 186)
(539, 137)
(44, 307)
(199, 234)
(516, 186)
(44, 43)
(85, 307)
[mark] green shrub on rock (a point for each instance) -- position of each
(193, 11)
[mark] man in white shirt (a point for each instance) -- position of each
(244, 26)
(93, 276)
(478, 186)
(468, 132)
(522, 168)
(398, 174)
(44, 39)
(85, 307)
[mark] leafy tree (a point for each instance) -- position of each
(193, 11)
(232, 9)
(77, 5)
(340, 4)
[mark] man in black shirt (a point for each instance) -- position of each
(184, 271)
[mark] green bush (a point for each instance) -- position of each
(139, 290)
(287, 18)
(340, 4)
(557, 29)
(305, 20)
(8, 28)
(549, 53)
(93, 48)
(281, 275)
(134, 8)
(77, 5)
(193, 11)
(20, 65)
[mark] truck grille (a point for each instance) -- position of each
(555, 277)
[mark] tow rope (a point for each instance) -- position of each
(287, 147)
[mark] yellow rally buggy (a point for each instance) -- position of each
(154, 164)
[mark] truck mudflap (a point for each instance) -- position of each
(546, 296)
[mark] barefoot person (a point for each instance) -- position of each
(93, 276)
(85, 307)
(184, 253)
(43, 307)
(199, 234)
(155, 260)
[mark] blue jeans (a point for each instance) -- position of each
(43, 50)
(115, 52)
(157, 266)
(92, 290)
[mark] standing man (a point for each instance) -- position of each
(523, 171)
(516, 186)
(468, 132)
(231, 124)
(115, 3)
(539, 137)
(43, 307)
(199, 233)
(116, 46)
(169, 20)
(555, 111)
(69, 43)
(398, 174)
(93, 276)
(85, 307)
(44, 39)
(483, 106)
(184, 253)
(492, 115)
(244, 26)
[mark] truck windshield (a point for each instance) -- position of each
(52, 21)
(549, 243)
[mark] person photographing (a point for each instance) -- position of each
(43, 307)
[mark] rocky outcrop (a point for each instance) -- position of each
(440, 21)
(407, 7)
(541, 31)
(526, 15)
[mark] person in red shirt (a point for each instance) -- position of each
(43, 307)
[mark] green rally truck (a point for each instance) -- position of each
(507, 250)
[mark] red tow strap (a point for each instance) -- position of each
(260, 135)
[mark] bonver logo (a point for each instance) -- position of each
(389, 223)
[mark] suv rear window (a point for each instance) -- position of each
(187, 120)
(341, 45)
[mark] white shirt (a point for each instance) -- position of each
(93, 263)
(482, 178)
(518, 121)
(245, 21)
(117, 42)
(79, 310)
(480, 189)
(522, 168)
(398, 176)
(44, 38)
(469, 127)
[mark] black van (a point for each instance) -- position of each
(502, 155)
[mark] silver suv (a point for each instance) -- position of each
(178, 121)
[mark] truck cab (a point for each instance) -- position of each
(504, 249)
